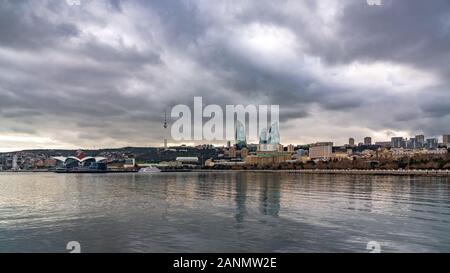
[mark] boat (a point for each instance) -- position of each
(150, 169)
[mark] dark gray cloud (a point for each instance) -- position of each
(21, 28)
(110, 69)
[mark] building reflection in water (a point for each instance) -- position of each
(241, 197)
(269, 194)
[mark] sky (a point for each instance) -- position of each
(102, 73)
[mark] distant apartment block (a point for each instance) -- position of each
(398, 142)
(432, 143)
(290, 148)
(446, 140)
(383, 144)
(413, 144)
(420, 141)
(351, 142)
(268, 159)
(321, 150)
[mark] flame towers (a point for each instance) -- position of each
(269, 140)
(241, 139)
(274, 134)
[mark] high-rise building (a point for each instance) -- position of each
(412, 144)
(274, 134)
(290, 148)
(446, 140)
(420, 139)
(165, 126)
(351, 142)
(368, 141)
(432, 143)
(241, 138)
(398, 142)
(321, 150)
(270, 140)
(263, 137)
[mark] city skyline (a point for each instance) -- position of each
(240, 141)
(103, 73)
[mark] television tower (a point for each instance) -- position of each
(165, 125)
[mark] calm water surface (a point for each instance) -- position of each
(223, 212)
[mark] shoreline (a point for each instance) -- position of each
(430, 173)
(433, 173)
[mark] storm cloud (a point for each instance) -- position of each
(101, 74)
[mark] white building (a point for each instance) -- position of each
(323, 150)
(189, 160)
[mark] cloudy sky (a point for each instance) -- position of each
(101, 74)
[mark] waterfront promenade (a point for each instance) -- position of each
(441, 173)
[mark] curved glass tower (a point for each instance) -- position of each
(241, 139)
(263, 136)
(274, 134)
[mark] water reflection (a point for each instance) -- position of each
(241, 199)
(223, 212)
(270, 195)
